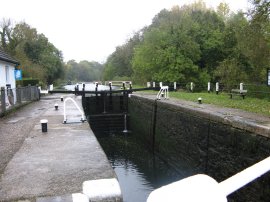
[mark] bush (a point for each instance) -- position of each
(27, 81)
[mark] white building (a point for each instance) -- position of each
(7, 68)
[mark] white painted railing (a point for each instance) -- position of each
(165, 91)
(203, 188)
(65, 115)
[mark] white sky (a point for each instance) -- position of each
(91, 29)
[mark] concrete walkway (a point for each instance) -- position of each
(40, 165)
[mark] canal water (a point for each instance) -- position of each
(88, 87)
(139, 171)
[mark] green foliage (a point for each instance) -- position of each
(180, 45)
(27, 81)
(231, 72)
(83, 71)
(38, 57)
(196, 44)
(119, 62)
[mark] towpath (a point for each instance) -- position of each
(36, 165)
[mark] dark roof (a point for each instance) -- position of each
(7, 58)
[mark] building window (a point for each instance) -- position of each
(7, 75)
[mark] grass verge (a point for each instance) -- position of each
(260, 106)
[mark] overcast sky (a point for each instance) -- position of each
(91, 29)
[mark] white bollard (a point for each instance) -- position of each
(154, 84)
(148, 84)
(208, 87)
(174, 86)
(160, 84)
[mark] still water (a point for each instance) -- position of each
(88, 87)
(139, 171)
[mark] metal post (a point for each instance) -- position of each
(217, 87)
(96, 83)
(3, 99)
(110, 100)
(83, 97)
(110, 85)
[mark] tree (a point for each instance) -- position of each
(83, 71)
(180, 45)
(38, 57)
(119, 62)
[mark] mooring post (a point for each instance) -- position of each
(3, 99)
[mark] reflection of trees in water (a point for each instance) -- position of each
(125, 151)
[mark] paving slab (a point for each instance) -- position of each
(57, 162)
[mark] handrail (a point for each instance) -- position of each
(65, 116)
(163, 89)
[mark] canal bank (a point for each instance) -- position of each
(50, 166)
(197, 138)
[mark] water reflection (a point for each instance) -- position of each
(138, 170)
(88, 87)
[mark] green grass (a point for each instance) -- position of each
(260, 106)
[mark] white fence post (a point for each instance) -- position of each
(217, 87)
(191, 86)
(241, 87)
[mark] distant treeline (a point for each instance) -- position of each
(198, 44)
(40, 59)
(185, 44)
